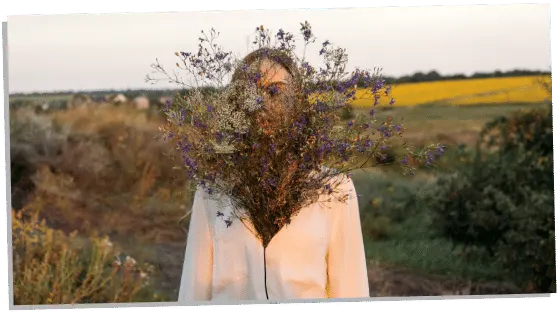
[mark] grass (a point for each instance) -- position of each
(105, 171)
(51, 267)
(463, 92)
(410, 241)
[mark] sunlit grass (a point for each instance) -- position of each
(52, 267)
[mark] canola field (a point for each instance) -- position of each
(527, 89)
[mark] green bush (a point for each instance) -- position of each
(503, 203)
(376, 227)
(347, 112)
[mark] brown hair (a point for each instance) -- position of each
(274, 54)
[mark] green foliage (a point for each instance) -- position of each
(503, 203)
(347, 112)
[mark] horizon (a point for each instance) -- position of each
(544, 72)
(119, 48)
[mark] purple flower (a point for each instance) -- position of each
(273, 89)
(388, 90)
(208, 108)
(280, 34)
(326, 43)
(376, 98)
(440, 149)
(167, 105)
(256, 77)
(429, 158)
(271, 182)
(198, 123)
(320, 106)
(219, 214)
(306, 31)
(398, 128)
(322, 51)
(350, 123)
(185, 147)
(300, 123)
(228, 222)
(377, 86)
(307, 68)
(219, 136)
(392, 101)
(190, 163)
(383, 147)
(264, 166)
(404, 160)
(385, 130)
(372, 112)
(366, 126)
(260, 100)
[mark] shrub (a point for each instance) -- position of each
(34, 139)
(77, 167)
(51, 267)
(347, 112)
(376, 227)
(102, 169)
(503, 203)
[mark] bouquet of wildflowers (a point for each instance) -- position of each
(265, 130)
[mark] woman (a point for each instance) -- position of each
(320, 254)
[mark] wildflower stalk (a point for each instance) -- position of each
(274, 148)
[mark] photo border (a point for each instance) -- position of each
(28, 7)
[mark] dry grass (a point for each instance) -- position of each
(102, 170)
(111, 173)
(51, 267)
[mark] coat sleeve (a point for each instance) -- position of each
(196, 280)
(346, 261)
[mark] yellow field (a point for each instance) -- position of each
(464, 92)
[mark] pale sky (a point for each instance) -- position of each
(114, 51)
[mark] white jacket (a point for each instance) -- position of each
(320, 254)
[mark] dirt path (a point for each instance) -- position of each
(387, 281)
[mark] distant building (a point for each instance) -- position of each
(79, 100)
(117, 99)
(141, 102)
(42, 108)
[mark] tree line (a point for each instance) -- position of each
(413, 78)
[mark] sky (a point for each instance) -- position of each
(115, 51)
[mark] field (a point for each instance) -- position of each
(103, 170)
(510, 90)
